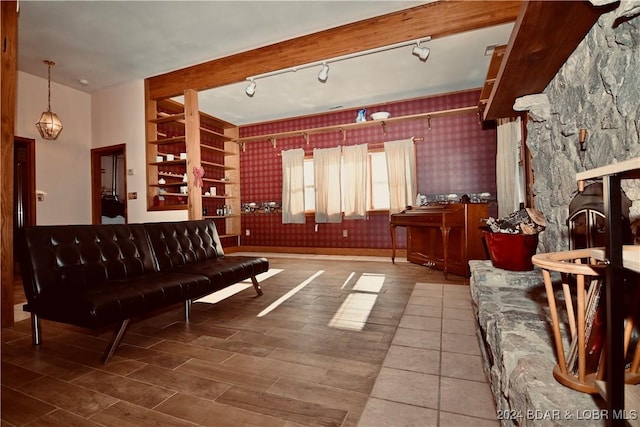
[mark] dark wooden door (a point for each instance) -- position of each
(24, 186)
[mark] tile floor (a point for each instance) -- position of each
(431, 376)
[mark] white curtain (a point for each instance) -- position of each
(401, 168)
(293, 186)
(326, 166)
(354, 181)
(509, 195)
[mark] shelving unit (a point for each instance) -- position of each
(205, 142)
(350, 126)
(611, 176)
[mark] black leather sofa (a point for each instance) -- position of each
(95, 276)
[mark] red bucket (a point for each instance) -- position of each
(511, 251)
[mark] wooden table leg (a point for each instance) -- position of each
(445, 247)
(392, 228)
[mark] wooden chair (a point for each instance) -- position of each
(578, 270)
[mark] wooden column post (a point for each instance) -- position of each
(192, 133)
(8, 76)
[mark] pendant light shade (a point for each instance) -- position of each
(49, 124)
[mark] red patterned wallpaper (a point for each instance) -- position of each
(456, 156)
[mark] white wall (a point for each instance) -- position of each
(118, 118)
(62, 166)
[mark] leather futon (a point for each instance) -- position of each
(99, 275)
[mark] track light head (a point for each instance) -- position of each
(421, 52)
(323, 75)
(251, 89)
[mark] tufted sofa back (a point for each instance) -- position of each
(61, 257)
(179, 243)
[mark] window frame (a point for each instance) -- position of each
(308, 160)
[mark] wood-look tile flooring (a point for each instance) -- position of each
(305, 362)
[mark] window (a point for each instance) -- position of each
(377, 183)
(309, 186)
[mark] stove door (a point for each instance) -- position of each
(587, 229)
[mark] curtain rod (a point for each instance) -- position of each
(369, 145)
(305, 133)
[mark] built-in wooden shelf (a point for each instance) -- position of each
(350, 126)
(216, 149)
(168, 118)
(173, 126)
(168, 208)
(222, 217)
(219, 196)
(219, 181)
(218, 165)
(168, 140)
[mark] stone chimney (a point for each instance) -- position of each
(597, 89)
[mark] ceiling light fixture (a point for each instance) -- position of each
(251, 89)
(422, 52)
(323, 75)
(49, 124)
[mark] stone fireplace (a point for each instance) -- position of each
(597, 89)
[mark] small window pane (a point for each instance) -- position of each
(309, 186)
(379, 180)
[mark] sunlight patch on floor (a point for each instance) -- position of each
(238, 287)
(356, 308)
(348, 280)
(354, 311)
(289, 294)
(369, 282)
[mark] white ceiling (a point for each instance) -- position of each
(107, 43)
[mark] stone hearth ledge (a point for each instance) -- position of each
(514, 329)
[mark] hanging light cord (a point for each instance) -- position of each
(49, 63)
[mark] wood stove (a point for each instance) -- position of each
(587, 222)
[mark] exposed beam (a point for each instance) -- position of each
(545, 34)
(437, 19)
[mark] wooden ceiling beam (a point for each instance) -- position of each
(492, 74)
(437, 19)
(545, 34)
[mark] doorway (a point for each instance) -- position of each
(109, 185)
(24, 183)
(24, 202)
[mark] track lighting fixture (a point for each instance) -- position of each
(324, 73)
(421, 52)
(251, 89)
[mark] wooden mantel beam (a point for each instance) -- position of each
(545, 34)
(437, 19)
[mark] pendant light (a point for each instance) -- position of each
(49, 124)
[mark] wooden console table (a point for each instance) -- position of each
(442, 236)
